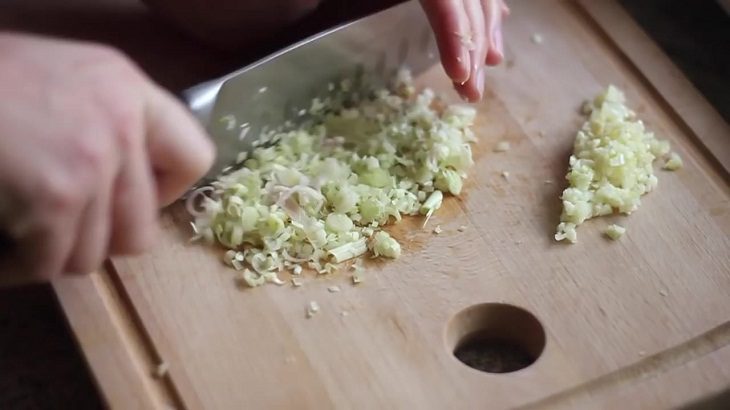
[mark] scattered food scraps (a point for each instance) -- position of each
(161, 370)
(673, 162)
(312, 309)
(614, 231)
(502, 146)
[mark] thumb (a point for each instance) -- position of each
(179, 149)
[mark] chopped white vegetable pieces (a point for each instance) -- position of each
(161, 370)
(614, 231)
(312, 309)
(349, 250)
(674, 162)
(502, 146)
(319, 193)
(611, 167)
(384, 245)
(356, 278)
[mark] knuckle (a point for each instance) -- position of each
(126, 121)
(115, 91)
(60, 194)
(92, 153)
(108, 66)
(103, 54)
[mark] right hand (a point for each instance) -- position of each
(90, 149)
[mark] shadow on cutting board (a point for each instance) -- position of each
(717, 402)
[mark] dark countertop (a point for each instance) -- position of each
(40, 365)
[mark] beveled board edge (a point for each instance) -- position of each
(121, 358)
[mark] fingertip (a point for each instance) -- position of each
(455, 59)
(494, 58)
(142, 241)
(449, 21)
(495, 55)
(456, 63)
(505, 9)
(179, 149)
(468, 91)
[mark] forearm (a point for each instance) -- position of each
(232, 23)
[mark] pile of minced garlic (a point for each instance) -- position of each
(611, 166)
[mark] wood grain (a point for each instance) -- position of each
(638, 323)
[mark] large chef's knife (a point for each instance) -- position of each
(235, 108)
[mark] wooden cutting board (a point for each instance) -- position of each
(638, 323)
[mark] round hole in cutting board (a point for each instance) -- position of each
(495, 337)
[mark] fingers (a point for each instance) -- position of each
(92, 235)
(493, 11)
(473, 88)
(450, 24)
(134, 213)
(505, 9)
(178, 148)
(496, 52)
(469, 35)
(46, 246)
(92, 239)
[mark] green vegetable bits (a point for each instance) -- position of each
(322, 193)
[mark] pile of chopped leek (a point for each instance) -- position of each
(611, 167)
(319, 193)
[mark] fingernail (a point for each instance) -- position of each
(500, 44)
(480, 82)
(496, 39)
(458, 89)
(464, 62)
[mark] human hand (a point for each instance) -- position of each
(469, 35)
(89, 150)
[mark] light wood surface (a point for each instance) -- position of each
(638, 323)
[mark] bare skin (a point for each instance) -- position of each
(90, 148)
(468, 32)
(469, 35)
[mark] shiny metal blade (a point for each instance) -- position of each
(235, 108)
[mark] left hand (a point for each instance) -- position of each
(469, 35)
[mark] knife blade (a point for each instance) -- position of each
(235, 108)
